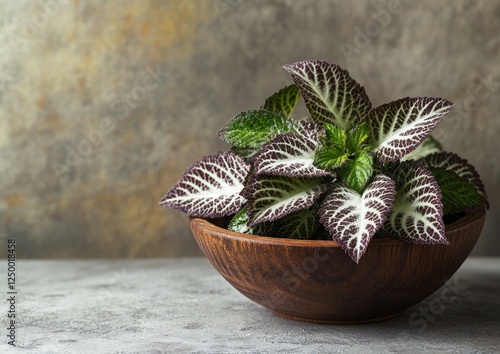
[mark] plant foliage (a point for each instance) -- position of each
(354, 169)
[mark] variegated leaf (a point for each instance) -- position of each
(461, 167)
(272, 197)
(283, 101)
(398, 127)
(290, 154)
(301, 224)
(352, 218)
(210, 187)
(417, 215)
(329, 92)
(428, 146)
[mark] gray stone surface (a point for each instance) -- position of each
(89, 141)
(184, 306)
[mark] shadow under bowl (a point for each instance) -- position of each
(315, 281)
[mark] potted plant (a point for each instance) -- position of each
(331, 218)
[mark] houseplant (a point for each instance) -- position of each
(351, 173)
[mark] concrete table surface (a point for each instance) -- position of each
(185, 306)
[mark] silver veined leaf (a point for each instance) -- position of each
(398, 127)
(210, 187)
(352, 218)
(329, 92)
(427, 147)
(461, 167)
(272, 197)
(290, 154)
(417, 215)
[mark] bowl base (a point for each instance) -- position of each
(337, 322)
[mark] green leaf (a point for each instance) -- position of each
(428, 146)
(329, 158)
(357, 138)
(357, 172)
(461, 167)
(335, 136)
(239, 223)
(246, 154)
(457, 193)
(252, 129)
(301, 224)
(332, 154)
(283, 101)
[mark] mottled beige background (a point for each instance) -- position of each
(104, 104)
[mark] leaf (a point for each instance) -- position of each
(283, 101)
(457, 193)
(332, 153)
(251, 129)
(417, 213)
(461, 167)
(427, 147)
(335, 136)
(301, 224)
(357, 172)
(398, 127)
(328, 158)
(329, 92)
(290, 154)
(210, 187)
(352, 219)
(239, 223)
(272, 197)
(357, 138)
(246, 154)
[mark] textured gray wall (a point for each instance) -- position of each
(104, 104)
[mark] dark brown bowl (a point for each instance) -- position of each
(316, 281)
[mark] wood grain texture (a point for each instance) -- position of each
(316, 281)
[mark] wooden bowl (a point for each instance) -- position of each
(315, 281)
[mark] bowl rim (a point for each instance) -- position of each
(203, 223)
